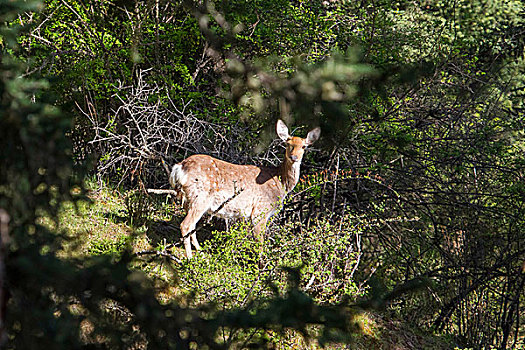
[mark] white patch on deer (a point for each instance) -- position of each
(178, 176)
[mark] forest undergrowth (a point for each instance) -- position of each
(228, 272)
(405, 230)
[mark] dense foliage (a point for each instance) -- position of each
(416, 184)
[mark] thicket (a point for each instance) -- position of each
(418, 175)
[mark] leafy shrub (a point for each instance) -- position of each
(105, 246)
(234, 268)
(327, 254)
(227, 270)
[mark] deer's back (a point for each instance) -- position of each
(230, 189)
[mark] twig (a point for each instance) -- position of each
(310, 282)
(162, 253)
(155, 191)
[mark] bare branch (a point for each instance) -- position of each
(149, 131)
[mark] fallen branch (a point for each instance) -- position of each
(162, 253)
(151, 190)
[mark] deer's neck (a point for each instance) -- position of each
(290, 174)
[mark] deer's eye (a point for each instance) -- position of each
(304, 146)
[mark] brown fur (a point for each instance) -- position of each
(227, 190)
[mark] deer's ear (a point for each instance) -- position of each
(313, 136)
(282, 130)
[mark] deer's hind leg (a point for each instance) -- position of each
(259, 229)
(259, 220)
(187, 227)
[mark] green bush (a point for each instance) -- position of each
(114, 248)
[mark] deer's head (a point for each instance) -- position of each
(295, 146)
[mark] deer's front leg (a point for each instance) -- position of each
(187, 227)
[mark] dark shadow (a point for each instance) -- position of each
(265, 174)
(119, 217)
(160, 231)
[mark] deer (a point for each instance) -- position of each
(230, 191)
